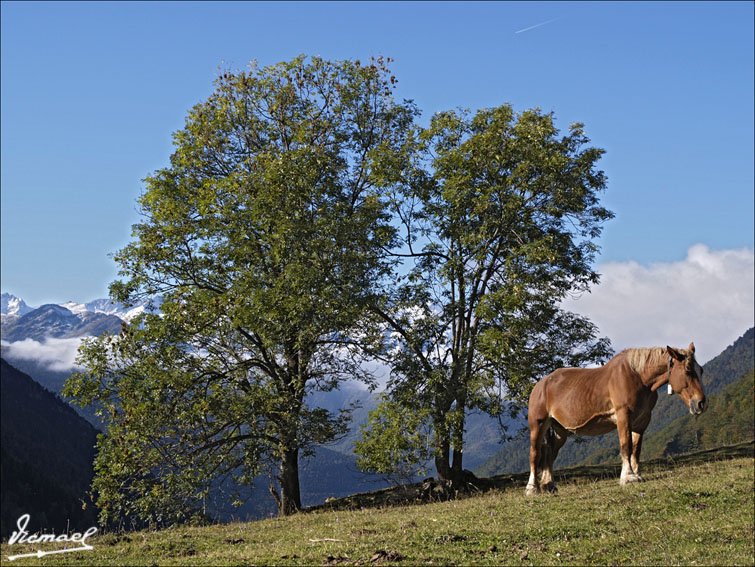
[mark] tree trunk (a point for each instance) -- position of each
(456, 468)
(443, 461)
(457, 435)
(290, 497)
(445, 468)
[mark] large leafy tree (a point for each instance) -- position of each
(499, 217)
(264, 239)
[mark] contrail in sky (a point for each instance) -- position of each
(536, 25)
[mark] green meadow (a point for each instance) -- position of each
(690, 511)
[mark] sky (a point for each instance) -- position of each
(91, 93)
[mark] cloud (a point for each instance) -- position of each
(57, 355)
(707, 298)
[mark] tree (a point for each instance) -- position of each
(263, 237)
(498, 218)
(396, 442)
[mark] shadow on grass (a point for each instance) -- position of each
(431, 490)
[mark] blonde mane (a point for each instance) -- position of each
(640, 358)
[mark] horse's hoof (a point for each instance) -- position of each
(550, 487)
(531, 490)
(630, 478)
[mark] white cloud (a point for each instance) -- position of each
(707, 298)
(54, 354)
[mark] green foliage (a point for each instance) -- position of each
(395, 443)
(303, 219)
(499, 219)
(264, 238)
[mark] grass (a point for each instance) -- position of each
(688, 513)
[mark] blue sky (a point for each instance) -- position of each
(92, 92)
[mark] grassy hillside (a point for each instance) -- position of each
(732, 365)
(691, 512)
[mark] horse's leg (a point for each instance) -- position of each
(537, 431)
(636, 448)
(539, 421)
(638, 430)
(556, 437)
(546, 453)
(623, 420)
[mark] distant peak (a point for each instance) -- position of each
(60, 309)
(12, 305)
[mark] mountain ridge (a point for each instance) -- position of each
(12, 307)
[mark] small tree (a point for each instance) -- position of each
(396, 442)
(498, 223)
(264, 239)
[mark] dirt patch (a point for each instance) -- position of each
(382, 556)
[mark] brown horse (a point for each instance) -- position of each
(593, 401)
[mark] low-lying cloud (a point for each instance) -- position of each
(707, 298)
(58, 355)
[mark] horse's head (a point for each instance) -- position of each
(684, 375)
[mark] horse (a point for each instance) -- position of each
(619, 395)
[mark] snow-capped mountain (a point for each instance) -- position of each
(12, 305)
(56, 321)
(107, 307)
(64, 320)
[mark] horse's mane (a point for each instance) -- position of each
(641, 358)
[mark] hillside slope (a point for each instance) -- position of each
(47, 453)
(695, 512)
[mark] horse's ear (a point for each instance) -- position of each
(691, 348)
(674, 353)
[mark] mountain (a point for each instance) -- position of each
(55, 321)
(729, 367)
(66, 320)
(47, 453)
(12, 305)
(107, 307)
(51, 380)
(27, 333)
